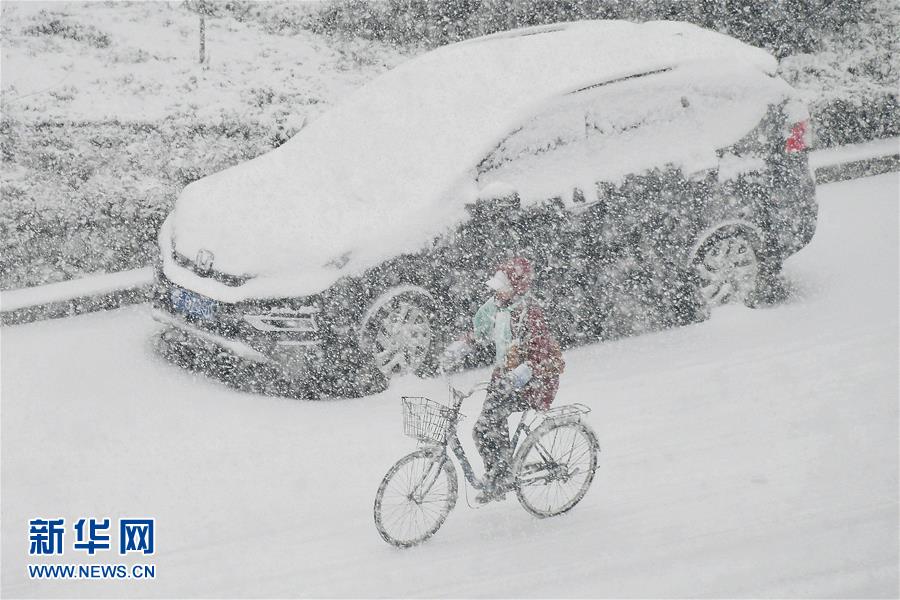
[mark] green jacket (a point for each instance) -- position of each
(493, 324)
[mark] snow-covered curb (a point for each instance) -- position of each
(93, 285)
(830, 157)
(128, 287)
(856, 160)
(66, 298)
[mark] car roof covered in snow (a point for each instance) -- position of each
(392, 165)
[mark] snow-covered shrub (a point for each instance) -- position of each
(852, 83)
(283, 18)
(783, 27)
(846, 121)
(407, 23)
(61, 27)
(86, 197)
(358, 18)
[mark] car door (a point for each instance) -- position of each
(624, 210)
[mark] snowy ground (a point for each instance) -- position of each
(147, 68)
(752, 455)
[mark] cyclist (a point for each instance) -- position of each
(527, 366)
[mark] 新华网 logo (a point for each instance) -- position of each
(46, 536)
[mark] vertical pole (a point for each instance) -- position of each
(201, 8)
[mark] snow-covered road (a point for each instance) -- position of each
(753, 455)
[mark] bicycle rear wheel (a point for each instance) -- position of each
(415, 497)
(555, 467)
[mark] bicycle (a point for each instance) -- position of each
(552, 468)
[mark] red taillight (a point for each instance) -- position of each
(797, 139)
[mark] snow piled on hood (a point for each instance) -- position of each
(394, 164)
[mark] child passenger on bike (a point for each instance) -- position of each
(527, 366)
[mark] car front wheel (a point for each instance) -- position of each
(398, 333)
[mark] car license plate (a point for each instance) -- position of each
(192, 305)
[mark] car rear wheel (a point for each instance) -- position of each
(398, 333)
(728, 266)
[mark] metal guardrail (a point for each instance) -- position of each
(132, 287)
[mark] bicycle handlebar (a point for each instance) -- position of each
(459, 395)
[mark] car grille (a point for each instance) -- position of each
(224, 278)
(229, 320)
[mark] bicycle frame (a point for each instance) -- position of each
(523, 430)
(452, 441)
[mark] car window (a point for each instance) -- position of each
(677, 118)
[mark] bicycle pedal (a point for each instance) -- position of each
(483, 499)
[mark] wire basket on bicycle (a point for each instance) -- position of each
(426, 420)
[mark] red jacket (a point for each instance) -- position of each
(543, 354)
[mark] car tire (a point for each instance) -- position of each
(356, 381)
(728, 266)
(399, 332)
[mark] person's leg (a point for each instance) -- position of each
(491, 433)
(490, 429)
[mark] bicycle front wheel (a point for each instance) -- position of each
(415, 497)
(555, 467)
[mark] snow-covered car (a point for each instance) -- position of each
(658, 169)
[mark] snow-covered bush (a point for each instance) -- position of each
(88, 197)
(402, 22)
(783, 27)
(852, 82)
(61, 27)
(285, 18)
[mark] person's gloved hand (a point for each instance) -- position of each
(520, 376)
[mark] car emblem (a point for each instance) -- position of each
(204, 260)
